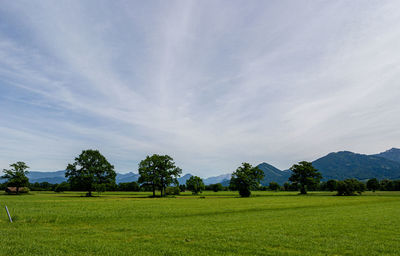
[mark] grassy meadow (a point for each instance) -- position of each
(268, 223)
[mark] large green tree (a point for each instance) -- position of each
(16, 176)
(195, 184)
(90, 171)
(158, 171)
(246, 178)
(305, 175)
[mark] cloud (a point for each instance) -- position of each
(212, 83)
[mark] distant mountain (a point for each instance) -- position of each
(217, 179)
(343, 165)
(51, 177)
(272, 173)
(391, 154)
(59, 176)
(182, 180)
(126, 177)
(340, 165)
(225, 183)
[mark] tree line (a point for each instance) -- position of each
(91, 172)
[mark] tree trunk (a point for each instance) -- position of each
(89, 193)
(162, 186)
(17, 190)
(303, 190)
(154, 190)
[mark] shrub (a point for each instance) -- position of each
(274, 186)
(195, 184)
(182, 188)
(129, 186)
(63, 186)
(349, 187)
(214, 187)
(172, 191)
(373, 184)
(331, 185)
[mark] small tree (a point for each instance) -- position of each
(89, 171)
(331, 185)
(305, 175)
(246, 178)
(158, 171)
(373, 184)
(349, 187)
(100, 188)
(182, 188)
(16, 176)
(63, 186)
(195, 184)
(128, 186)
(274, 186)
(148, 173)
(387, 185)
(172, 191)
(290, 186)
(216, 187)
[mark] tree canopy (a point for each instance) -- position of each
(274, 186)
(91, 171)
(373, 184)
(158, 171)
(305, 175)
(246, 178)
(16, 176)
(349, 187)
(195, 184)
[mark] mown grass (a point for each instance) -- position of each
(269, 223)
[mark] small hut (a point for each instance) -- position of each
(13, 190)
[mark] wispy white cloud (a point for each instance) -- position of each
(212, 83)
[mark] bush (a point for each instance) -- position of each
(274, 186)
(373, 184)
(244, 191)
(214, 187)
(386, 185)
(349, 187)
(290, 186)
(195, 184)
(100, 188)
(182, 188)
(63, 186)
(172, 191)
(331, 185)
(129, 186)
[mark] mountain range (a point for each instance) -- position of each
(339, 165)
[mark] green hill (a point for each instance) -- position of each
(391, 154)
(345, 164)
(273, 174)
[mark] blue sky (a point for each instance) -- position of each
(211, 83)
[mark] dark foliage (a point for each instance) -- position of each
(305, 175)
(373, 184)
(245, 179)
(90, 172)
(195, 184)
(158, 171)
(16, 176)
(350, 187)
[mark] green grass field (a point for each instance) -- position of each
(268, 223)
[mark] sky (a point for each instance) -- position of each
(210, 83)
